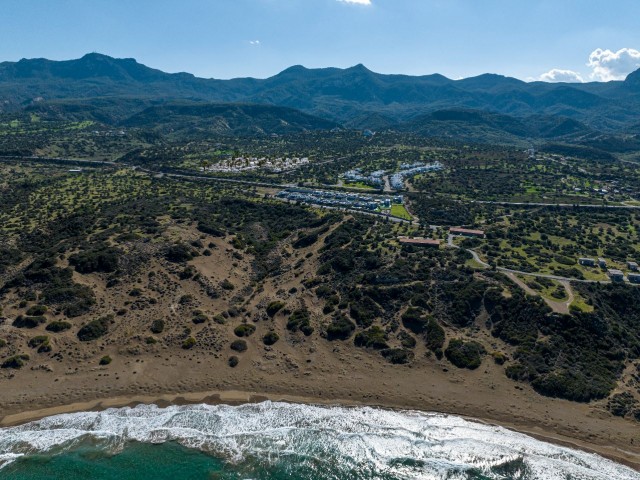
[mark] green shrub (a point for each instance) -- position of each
(227, 285)
(300, 320)
(239, 346)
(106, 360)
(179, 253)
(199, 318)
(157, 326)
(414, 320)
(104, 260)
(189, 343)
(219, 319)
(233, 361)
(244, 330)
(270, 338)
(3, 343)
(407, 340)
(95, 329)
(274, 307)
(397, 356)
(15, 362)
(373, 337)
(28, 322)
(37, 310)
(341, 328)
(37, 341)
(465, 354)
(58, 326)
(622, 404)
(434, 335)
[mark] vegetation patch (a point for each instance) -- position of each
(95, 329)
(465, 354)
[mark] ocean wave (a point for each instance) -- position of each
(340, 442)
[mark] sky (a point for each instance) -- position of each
(549, 40)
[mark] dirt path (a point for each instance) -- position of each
(558, 306)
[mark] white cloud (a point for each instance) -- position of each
(559, 75)
(357, 2)
(255, 43)
(608, 65)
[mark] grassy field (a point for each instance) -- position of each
(400, 211)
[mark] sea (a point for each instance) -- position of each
(276, 440)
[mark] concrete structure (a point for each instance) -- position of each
(634, 277)
(587, 262)
(602, 263)
(616, 275)
(465, 232)
(419, 242)
(633, 266)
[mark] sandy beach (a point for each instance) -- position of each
(424, 387)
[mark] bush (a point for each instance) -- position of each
(244, 330)
(233, 361)
(434, 335)
(397, 356)
(227, 285)
(189, 343)
(179, 253)
(219, 319)
(373, 337)
(37, 310)
(270, 338)
(407, 340)
(413, 320)
(95, 329)
(15, 362)
(104, 260)
(300, 320)
(106, 360)
(239, 346)
(199, 317)
(621, 404)
(28, 322)
(37, 341)
(3, 343)
(157, 326)
(341, 328)
(58, 326)
(274, 307)
(465, 354)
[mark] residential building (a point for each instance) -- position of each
(633, 266)
(602, 263)
(419, 242)
(587, 262)
(465, 232)
(634, 277)
(616, 275)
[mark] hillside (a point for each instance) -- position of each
(194, 120)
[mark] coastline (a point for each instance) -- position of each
(238, 397)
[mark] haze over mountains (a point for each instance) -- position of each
(119, 91)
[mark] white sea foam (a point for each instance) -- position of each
(377, 443)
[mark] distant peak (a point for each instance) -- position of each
(359, 68)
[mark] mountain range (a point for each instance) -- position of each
(123, 91)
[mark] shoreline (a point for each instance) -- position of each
(239, 397)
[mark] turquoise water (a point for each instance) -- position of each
(274, 441)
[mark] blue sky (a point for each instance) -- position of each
(528, 39)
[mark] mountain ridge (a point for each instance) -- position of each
(345, 96)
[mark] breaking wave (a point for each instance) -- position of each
(310, 441)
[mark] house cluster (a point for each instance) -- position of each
(407, 171)
(356, 175)
(614, 274)
(340, 199)
(396, 180)
(242, 164)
